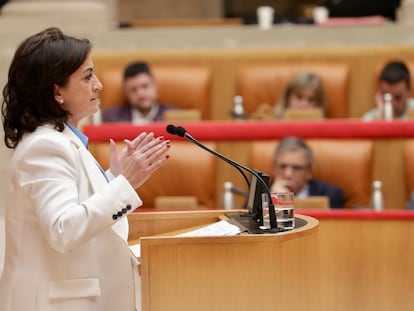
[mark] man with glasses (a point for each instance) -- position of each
(292, 171)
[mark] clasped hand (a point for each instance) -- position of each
(281, 185)
(139, 158)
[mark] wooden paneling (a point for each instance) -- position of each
(366, 264)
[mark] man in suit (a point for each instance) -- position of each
(293, 172)
(141, 93)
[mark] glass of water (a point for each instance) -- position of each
(284, 209)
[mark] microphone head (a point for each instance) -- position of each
(180, 131)
(171, 129)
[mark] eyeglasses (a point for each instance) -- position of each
(293, 167)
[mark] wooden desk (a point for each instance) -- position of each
(244, 272)
(366, 259)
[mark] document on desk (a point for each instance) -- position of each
(220, 228)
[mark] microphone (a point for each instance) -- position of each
(258, 176)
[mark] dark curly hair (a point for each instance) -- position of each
(42, 61)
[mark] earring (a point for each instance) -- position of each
(61, 101)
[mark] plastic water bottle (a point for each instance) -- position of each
(377, 198)
(228, 200)
(388, 112)
(238, 110)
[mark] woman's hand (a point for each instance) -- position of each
(116, 160)
(140, 158)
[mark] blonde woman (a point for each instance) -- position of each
(304, 90)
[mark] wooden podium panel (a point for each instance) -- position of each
(366, 259)
(243, 272)
(368, 264)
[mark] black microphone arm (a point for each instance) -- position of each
(182, 132)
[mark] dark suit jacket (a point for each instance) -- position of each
(123, 113)
(335, 194)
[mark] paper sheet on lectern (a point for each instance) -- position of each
(220, 228)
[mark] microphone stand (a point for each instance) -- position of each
(182, 132)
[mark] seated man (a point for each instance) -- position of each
(292, 165)
(395, 80)
(141, 93)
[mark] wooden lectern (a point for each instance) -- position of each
(243, 272)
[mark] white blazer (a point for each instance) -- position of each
(66, 229)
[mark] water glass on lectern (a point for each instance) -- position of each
(284, 209)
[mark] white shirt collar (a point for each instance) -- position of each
(138, 118)
(303, 193)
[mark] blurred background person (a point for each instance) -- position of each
(303, 90)
(141, 92)
(292, 171)
(394, 79)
